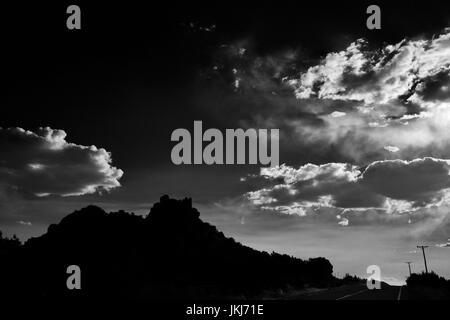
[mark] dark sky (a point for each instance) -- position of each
(134, 73)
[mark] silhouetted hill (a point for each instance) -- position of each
(170, 253)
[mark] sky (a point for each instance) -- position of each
(364, 175)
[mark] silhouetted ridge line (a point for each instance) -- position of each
(170, 253)
(173, 209)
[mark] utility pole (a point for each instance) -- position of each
(409, 267)
(424, 258)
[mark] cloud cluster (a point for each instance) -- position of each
(420, 181)
(364, 131)
(378, 76)
(358, 105)
(43, 163)
(397, 99)
(444, 245)
(397, 188)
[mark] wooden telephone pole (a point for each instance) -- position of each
(424, 258)
(409, 267)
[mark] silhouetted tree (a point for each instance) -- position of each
(428, 286)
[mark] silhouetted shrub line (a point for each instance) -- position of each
(428, 286)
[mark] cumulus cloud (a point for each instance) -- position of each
(343, 222)
(350, 106)
(378, 76)
(444, 245)
(398, 94)
(337, 114)
(381, 192)
(392, 149)
(421, 180)
(314, 185)
(43, 163)
(364, 130)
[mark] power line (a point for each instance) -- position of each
(424, 258)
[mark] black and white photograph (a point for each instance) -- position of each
(225, 159)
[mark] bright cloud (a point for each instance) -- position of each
(43, 163)
(364, 131)
(375, 76)
(395, 191)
